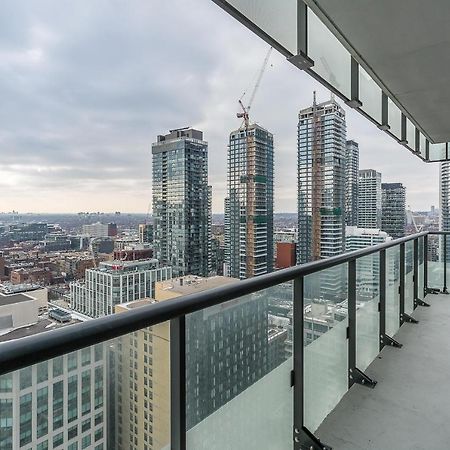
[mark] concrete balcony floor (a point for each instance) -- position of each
(410, 406)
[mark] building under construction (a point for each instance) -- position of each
(249, 204)
(321, 181)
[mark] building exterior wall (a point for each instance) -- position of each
(56, 404)
(286, 254)
(182, 226)
(393, 209)
(369, 199)
(146, 401)
(238, 235)
(444, 196)
(351, 183)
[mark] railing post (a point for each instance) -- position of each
(444, 290)
(178, 383)
(351, 321)
(425, 265)
(416, 272)
(402, 283)
(302, 437)
(382, 291)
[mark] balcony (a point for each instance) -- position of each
(358, 362)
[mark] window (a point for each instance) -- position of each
(25, 377)
(58, 440)
(25, 419)
(86, 356)
(85, 425)
(73, 432)
(72, 361)
(42, 446)
(86, 441)
(6, 383)
(42, 372)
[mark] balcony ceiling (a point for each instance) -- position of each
(406, 43)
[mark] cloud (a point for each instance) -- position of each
(87, 87)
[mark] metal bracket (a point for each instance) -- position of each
(433, 291)
(420, 302)
(301, 61)
(407, 318)
(360, 377)
(384, 127)
(387, 340)
(308, 441)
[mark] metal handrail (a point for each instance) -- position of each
(19, 353)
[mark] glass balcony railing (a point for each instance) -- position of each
(256, 364)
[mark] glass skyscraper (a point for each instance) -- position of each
(393, 200)
(321, 181)
(351, 183)
(249, 204)
(181, 202)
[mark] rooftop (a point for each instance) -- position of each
(192, 283)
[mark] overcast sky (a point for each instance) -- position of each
(86, 86)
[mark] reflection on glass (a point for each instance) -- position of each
(239, 359)
(392, 290)
(331, 60)
(370, 95)
(325, 338)
(367, 315)
(409, 275)
(277, 19)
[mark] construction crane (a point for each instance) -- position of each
(251, 172)
(412, 219)
(245, 114)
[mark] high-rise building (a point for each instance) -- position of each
(369, 199)
(393, 209)
(351, 183)
(444, 196)
(357, 238)
(181, 196)
(249, 203)
(116, 282)
(321, 181)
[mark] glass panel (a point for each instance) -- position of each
(420, 290)
(367, 314)
(422, 145)
(438, 151)
(370, 95)
(392, 290)
(238, 364)
(435, 264)
(411, 134)
(331, 60)
(277, 19)
(326, 353)
(409, 273)
(394, 119)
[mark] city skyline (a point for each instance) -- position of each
(83, 137)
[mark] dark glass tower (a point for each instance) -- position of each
(181, 202)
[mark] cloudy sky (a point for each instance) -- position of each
(86, 86)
